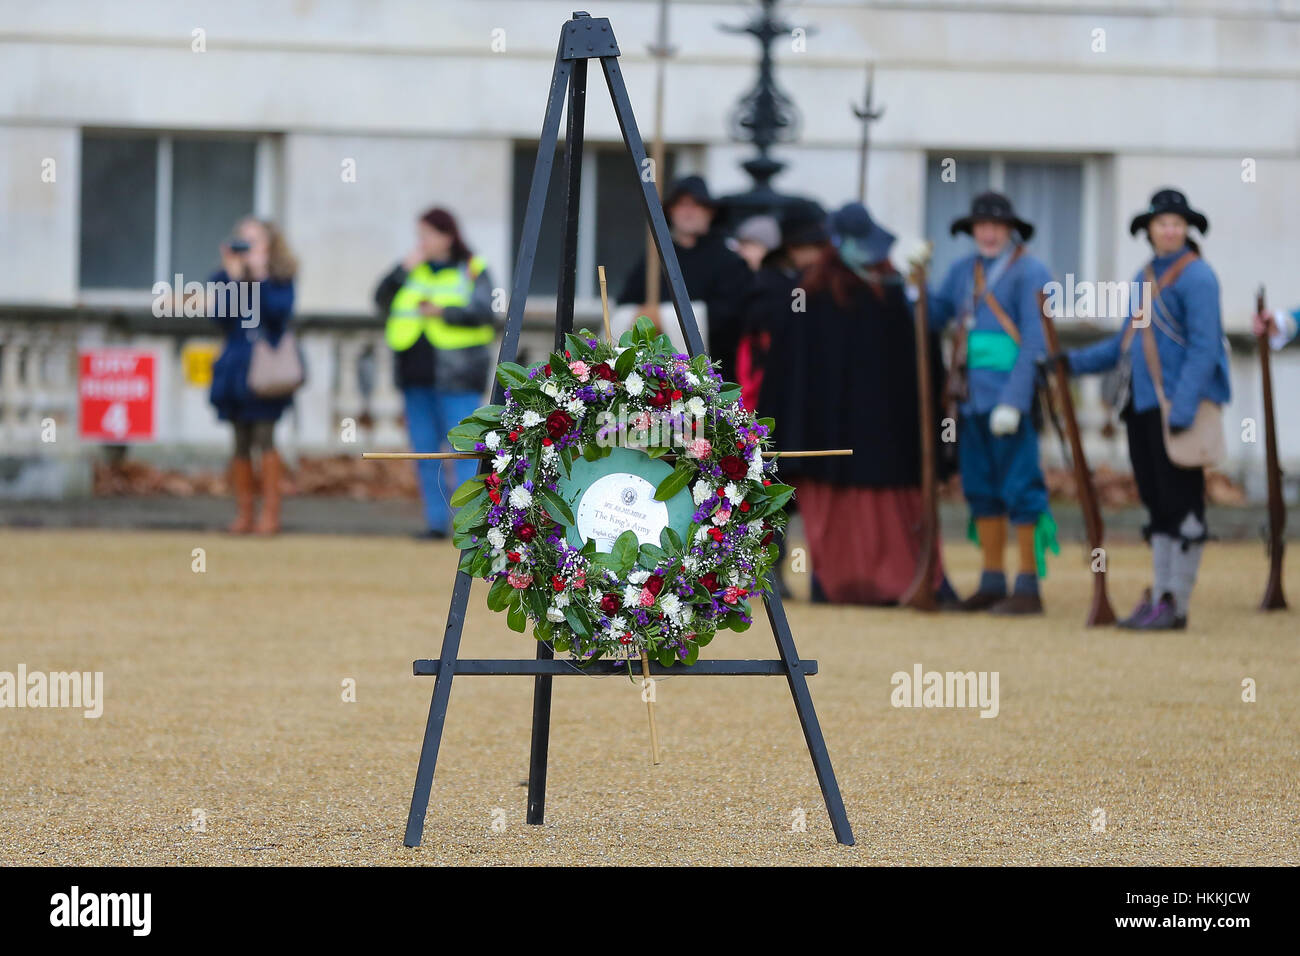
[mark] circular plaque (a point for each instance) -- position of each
(618, 502)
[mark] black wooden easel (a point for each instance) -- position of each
(581, 39)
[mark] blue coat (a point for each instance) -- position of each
(229, 393)
(1193, 360)
(1017, 292)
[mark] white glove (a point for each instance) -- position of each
(1005, 420)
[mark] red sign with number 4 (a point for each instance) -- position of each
(116, 388)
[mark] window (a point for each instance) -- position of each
(1046, 192)
(153, 206)
(610, 189)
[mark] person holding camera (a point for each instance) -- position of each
(254, 299)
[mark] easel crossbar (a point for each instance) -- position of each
(561, 668)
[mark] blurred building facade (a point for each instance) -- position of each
(132, 135)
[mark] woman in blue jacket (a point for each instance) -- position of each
(1188, 331)
(254, 299)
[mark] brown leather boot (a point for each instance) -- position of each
(241, 482)
(268, 522)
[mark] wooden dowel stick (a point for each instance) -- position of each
(650, 709)
(604, 304)
(420, 455)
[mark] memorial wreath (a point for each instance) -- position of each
(625, 503)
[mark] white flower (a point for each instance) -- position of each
(755, 472)
(696, 406)
(576, 407)
(499, 463)
(693, 379)
(701, 491)
(671, 604)
(532, 419)
(691, 563)
(595, 595)
(520, 496)
(562, 599)
(618, 624)
(496, 538)
(701, 535)
(734, 494)
(554, 614)
(551, 389)
(631, 595)
(492, 440)
(604, 385)
(756, 529)
(639, 576)
(549, 452)
(635, 384)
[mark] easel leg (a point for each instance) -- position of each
(541, 740)
(437, 710)
(812, 730)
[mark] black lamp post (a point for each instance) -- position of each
(764, 116)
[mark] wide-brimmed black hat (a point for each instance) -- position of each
(803, 223)
(996, 207)
(860, 239)
(693, 186)
(1169, 200)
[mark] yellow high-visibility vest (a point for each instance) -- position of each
(451, 286)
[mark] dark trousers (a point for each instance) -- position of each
(1170, 493)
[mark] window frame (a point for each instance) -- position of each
(266, 189)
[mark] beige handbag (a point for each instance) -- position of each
(275, 371)
(1198, 446)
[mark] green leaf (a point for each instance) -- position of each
(592, 451)
(692, 654)
(625, 551)
(509, 374)
(670, 540)
(770, 423)
(667, 656)
(463, 540)
(623, 366)
(516, 619)
(467, 561)
(657, 452)
(651, 556)
(729, 395)
(702, 640)
(578, 346)
(499, 594)
(645, 329)
(556, 506)
(490, 414)
(679, 479)
(576, 622)
(466, 493)
(469, 518)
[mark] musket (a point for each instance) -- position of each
(1100, 612)
(1273, 600)
(920, 593)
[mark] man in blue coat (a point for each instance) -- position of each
(1187, 330)
(993, 294)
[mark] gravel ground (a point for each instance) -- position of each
(224, 706)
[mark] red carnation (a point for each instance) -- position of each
(710, 580)
(659, 399)
(655, 585)
(494, 496)
(733, 467)
(610, 603)
(527, 532)
(558, 423)
(744, 506)
(557, 583)
(492, 480)
(604, 371)
(546, 369)
(512, 556)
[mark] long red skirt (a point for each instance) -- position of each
(864, 542)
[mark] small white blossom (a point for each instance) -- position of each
(631, 595)
(691, 563)
(532, 419)
(492, 440)
(496, 538)
(755, 466)
(696, 406)
(635, 384)
(562, 599)
(604, 386)
(701, 534)
(702, 491)
(520, 496)
(671, 604)
(595, 595)
(499, 463)
(554, 614)
(639, 576)
(693, 379)
(576, 407)
(618, 624)
(734, 494)
(551, 389)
